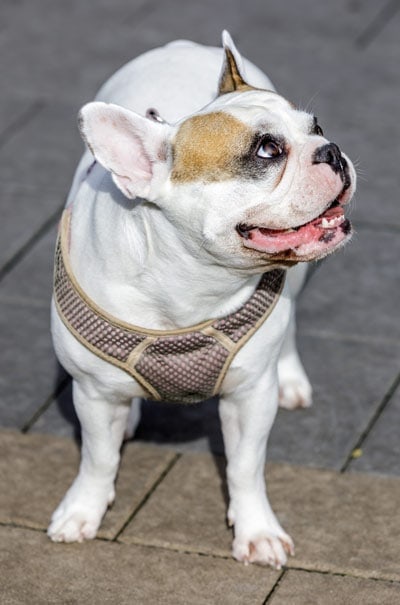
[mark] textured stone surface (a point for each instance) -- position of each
(38, 470)
(350, 378)
(44, 153)
(28, 368)
(381, 449)
(187, 511)
(109, 573)
(304, 588)
(18, 286)
(355, 292)
(24, 211)
(334, 519)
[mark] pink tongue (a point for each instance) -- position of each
(278, 241)
(281, 240)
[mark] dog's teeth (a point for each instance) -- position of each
(330, 223)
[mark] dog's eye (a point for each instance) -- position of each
(318, 130)
(269, 149)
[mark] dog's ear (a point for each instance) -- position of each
(231, 78)
(131, 147)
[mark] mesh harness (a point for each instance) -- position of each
(184, 365)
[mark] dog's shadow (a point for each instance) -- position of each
(182, 427)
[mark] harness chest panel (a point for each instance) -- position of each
(185, 365)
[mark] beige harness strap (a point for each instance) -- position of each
(184, 365)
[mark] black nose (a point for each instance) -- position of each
(329, 154)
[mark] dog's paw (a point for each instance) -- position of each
(295, 390)
(74, 527)
(265, 549)
(295, 393)
(79, 515)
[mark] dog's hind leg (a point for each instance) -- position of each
(295, 390)
(103, 424)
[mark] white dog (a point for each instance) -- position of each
(197, 183)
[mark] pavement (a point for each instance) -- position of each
(333, 470)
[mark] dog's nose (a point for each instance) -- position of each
(329, 154)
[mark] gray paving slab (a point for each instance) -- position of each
(380, 452)
(307, 588)
(14, 111)
(31, 281)
(355, 292)
(62, 52)
(59, 418)
(25, 213)
(344, 524)
(350, 379)
(44, 153)
(109, 573)
(38, 470)
(28, 369)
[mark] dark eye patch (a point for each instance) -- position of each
(251, 165)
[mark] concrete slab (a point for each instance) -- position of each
(65, 52)
(187, 512)
(29, 374)
(343, 524)
(109, 573)
(355, 292)
(24, 212)
(19, 285)
(350, 379)
(44, 153)
(380, 452)
(305, 588)
(59, 418)
(38, 470)
(13, 112)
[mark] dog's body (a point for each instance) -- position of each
(187, 251)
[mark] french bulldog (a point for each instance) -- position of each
(200, 189)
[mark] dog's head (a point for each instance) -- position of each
(250, 179)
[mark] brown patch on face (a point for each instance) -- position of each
(208, 147)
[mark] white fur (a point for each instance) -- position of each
(173, 260)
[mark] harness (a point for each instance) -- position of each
(184, 365)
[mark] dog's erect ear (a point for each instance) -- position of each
(131, 147)
(231, 78)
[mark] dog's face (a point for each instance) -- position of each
(251, 180)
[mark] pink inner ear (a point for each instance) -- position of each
(123, 152)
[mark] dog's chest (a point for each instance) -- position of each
(185, 365)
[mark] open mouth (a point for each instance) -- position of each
(311, 240)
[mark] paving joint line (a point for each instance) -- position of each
(371, 423)
(341, 574)
(46, 404)
(377, 24)
(30, 243)
(21, 121)
(148, 495)
(275, 586)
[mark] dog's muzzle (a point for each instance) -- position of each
(330, 154)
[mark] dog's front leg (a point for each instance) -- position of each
(103, 423)
(246, 420)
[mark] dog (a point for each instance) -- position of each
(200, 191)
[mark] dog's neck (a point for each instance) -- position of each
(138, 266)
